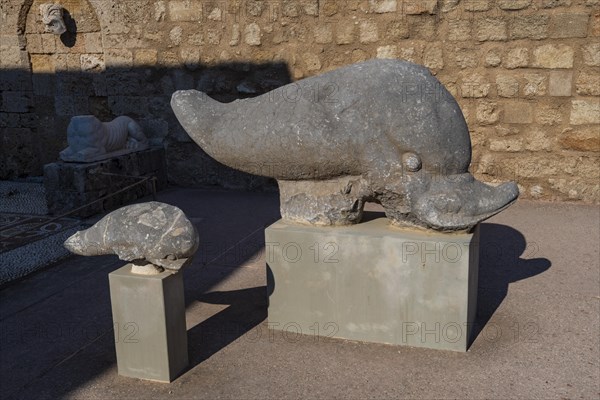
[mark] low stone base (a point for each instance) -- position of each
(71, 185)
(373, 282)
(149, 322)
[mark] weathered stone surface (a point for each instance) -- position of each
(423, 27)
(459, 29)
(555, 3)
(581, 139)
(467, 58)
(576, 189)
(518, 113)
(312, 62)
(11, 162)
(93, 42)
(91, 140)
(449, 5)
(591, 54)
(569, 26)
(493, 58)
(514, 4)
(528, 27)
(595, 24)
(479, 5)
(553, 56)
(323, 34)
(17, 102)
(507, 86)
(410, 54)
(517, 58)
(383, 6)
(387, 52)
(585, 112)
(344, 33)
(71, 185)
(475, 85)
(120, 58)
(185, 10)
(92, 62)
(561, 83)
(506, 145)
(152, 232)
(395, 30)
(414, 7)
(368, 32)
(536, 85)
(537, 140)
(487, 113)
(252, 34)
(491, 29)
(549, 115)
(588, 84)
(433, 57)
(419, 174)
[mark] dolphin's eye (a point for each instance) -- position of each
(411, 161)
(448, 204)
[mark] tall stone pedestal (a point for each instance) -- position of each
(373, 282)
(149, 323)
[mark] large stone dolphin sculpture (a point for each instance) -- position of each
(382, 130)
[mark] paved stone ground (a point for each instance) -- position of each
(539, 308)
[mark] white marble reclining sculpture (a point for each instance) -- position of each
(92, 140)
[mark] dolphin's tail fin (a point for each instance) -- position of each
(197, 112)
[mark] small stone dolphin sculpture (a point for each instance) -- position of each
(382, 130)
(152, 232)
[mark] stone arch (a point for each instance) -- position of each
(83, 26)
(23, 11)
(63, 69)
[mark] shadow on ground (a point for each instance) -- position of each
(56, 330)
(56, 327)
(505, 257)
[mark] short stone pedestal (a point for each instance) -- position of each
(149, 323)
(373, 282)
(70, 185)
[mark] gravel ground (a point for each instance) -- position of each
(22, 198)
(29, 198)
(26, 259)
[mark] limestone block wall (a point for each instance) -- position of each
(525, 72)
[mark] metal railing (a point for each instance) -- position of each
(141, 179)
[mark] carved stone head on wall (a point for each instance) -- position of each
(52, 17)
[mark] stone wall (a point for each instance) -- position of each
(525, 72)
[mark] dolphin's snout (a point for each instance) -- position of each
(462, 203)
(74, 244)
(81, 244)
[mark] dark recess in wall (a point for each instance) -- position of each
(35, 109)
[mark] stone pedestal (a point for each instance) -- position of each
(373, 282)
(149, 322)
(71, 185)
